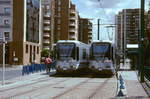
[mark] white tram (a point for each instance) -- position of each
(101, 57)
(71, 55)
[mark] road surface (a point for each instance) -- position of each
(62, 88)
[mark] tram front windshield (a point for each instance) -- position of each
(66, 51)
(100, 51)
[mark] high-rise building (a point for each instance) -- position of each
(85, 30)
(6, 13)
(25, 47)
(65, 20)
(47, 39)
(128, 25)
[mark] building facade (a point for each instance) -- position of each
(25, 46)
(47, 39)
(85, 30)
(65, 20)
(6, 13)
(128, 25)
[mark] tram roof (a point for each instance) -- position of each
(97, 41)
(70, 41)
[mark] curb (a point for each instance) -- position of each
(21, 79)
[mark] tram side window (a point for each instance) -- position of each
(77, 53)
(73, 53)
(54, 52)
(84, 53)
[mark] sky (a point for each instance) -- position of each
(104, 10)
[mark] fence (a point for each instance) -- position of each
(147, 75)
(30, 69)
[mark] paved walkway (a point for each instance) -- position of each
(133, 86)
(23, 79)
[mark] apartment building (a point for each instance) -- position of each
(85, 30)
(128, 25)
(6, 13)
(47, 39)
(65, 18)
(25, 47)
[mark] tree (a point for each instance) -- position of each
(45, 53)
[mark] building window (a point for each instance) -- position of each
(7, 10)
(47, 7)
(59, 15)
(34, 49)
(7, 34)
(58, 27)
(37, 50)
(27, 48)
(59, 2)
(58, 21)
(59, 8)
(6, 22)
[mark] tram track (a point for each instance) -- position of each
(98, 88)
(38, 88)
(80, 84)
(39, 81)
(71, 89)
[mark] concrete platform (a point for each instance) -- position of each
(133, 86)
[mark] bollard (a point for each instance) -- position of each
(40, 67)
(23, 71)
(121, 82)
(120, 93)
(122, 86)
(28, 70)
(32, 68)
(120, 77)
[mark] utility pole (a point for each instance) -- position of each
(141, 41)
(98, 29)
(3, 79)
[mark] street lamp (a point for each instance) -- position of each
(3, 69)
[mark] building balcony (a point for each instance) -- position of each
(72, 14)
(46, 22)
(72, 11)
(72, 30)
(5, 14)
(90, 33)
(46, 47)
(47, 28)
(5, 2)
(72, 37)
(47, 15)
(72, 18)
(5, 26)
(46, 34)
(90, 38)
(72, 24)
(46, 41)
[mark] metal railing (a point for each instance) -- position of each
(147, 74)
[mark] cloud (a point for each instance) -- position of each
(104, 9)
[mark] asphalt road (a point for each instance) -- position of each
(62, 88)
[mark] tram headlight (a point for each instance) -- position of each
(58, 66)
(107, 61)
